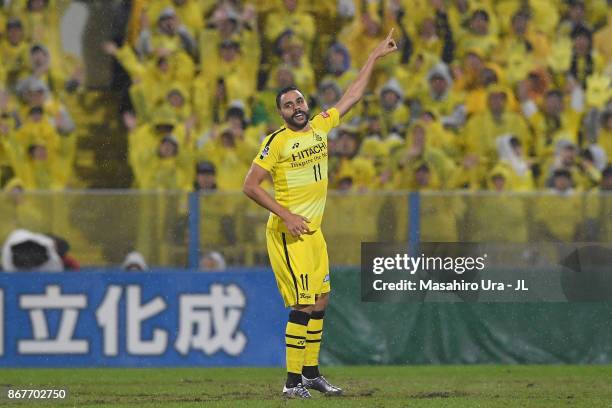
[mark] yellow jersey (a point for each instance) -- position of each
(297, 162)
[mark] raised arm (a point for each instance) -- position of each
(356, 89)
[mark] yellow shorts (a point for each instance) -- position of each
(300, 265)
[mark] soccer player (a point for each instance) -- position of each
(296, 157)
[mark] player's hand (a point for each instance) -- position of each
(387, 46)
(296, 224)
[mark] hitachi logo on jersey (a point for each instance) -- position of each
(303, 154)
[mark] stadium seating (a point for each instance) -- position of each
(506, 96)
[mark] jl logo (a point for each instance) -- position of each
(295, 146)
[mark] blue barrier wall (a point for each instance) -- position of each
(163, 318)
(236, 318)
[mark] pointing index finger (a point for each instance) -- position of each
(390, 35)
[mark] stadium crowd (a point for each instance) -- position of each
(506, 95)
(37, 143)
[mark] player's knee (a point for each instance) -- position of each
(303, 308)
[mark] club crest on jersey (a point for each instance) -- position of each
(325, 114)
(265, 152)
(317, 137)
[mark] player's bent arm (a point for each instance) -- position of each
(252, 188)
(355, 91)
(296, 224)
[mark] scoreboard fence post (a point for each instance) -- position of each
(194, 231)
(414, 221)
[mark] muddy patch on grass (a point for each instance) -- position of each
(363, 393)
(196, 381)
(439, 394)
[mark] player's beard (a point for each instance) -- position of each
(293, 122)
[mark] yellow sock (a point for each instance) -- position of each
(295, 340)
(313, 339)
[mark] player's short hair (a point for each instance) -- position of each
(283, 91)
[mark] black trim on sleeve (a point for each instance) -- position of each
(272, 136)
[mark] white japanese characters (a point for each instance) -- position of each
(107, 316)
(138, 313)
(63, 343)
(208, 323)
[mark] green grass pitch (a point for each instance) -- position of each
(377, 386)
